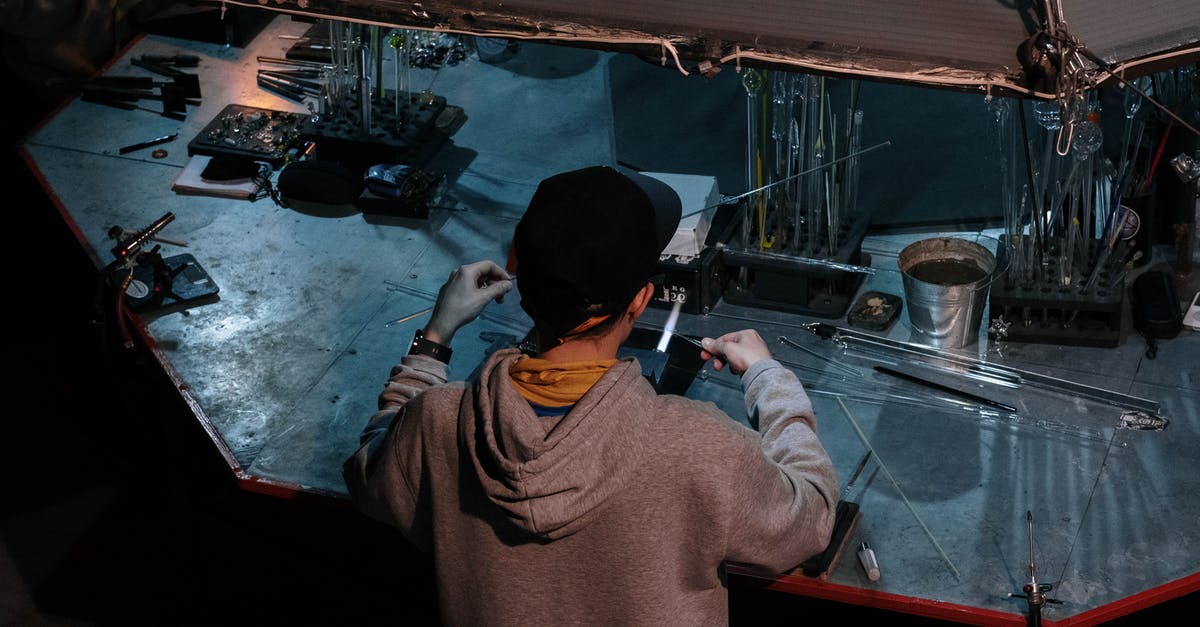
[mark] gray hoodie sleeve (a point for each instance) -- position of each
(413, 375)
(362, 472)
(786, 502)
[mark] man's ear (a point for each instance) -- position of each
(641, 300)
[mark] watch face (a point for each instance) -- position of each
(429, 348)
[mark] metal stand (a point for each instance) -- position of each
(1035, 593)
(1036, 306)
(816, 285)
(411, 139)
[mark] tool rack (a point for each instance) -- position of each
(809, 285)
(411, 139)
(1037, 308)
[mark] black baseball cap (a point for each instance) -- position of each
(589, 240)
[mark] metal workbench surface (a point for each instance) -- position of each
(285, 366)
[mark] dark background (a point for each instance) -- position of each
(116, 508)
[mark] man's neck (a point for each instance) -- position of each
(580, 350)
(603, 346)
(588, 348)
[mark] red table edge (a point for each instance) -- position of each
(928, 608)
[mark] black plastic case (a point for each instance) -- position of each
(1156, 310)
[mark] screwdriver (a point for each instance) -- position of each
(146, 144)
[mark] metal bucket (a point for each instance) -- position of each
(946, 282)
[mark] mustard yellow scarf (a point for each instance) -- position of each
(555, 384)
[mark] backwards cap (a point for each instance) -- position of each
(589, 240)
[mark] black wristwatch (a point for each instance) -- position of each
(422, 346)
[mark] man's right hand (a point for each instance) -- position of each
(738, 350)
(463, 296)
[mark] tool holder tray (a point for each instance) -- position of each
(1040, 309)
(790, 283)
(412, 139)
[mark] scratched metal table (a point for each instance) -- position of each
(285, 366)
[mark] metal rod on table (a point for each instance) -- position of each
(862, 436)
(294, 63)
(891, 397)
(829, 360)
(1017, 375)
(945, 388)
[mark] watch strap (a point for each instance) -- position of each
(422, 346)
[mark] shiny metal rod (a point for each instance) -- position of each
(867, 443)
(1016, 375)
(729, 200)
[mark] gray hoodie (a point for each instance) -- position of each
(621, 512)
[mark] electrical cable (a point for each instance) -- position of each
(265, 189)
(122, 310)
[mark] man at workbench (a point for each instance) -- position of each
(558, 486)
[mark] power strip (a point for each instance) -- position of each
(1191, 319)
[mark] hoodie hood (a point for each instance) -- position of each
(552, 477)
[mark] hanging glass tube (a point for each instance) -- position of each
(1007, 145)
(815, 153)
(801, 160)
(781, 116)
(756, 173)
